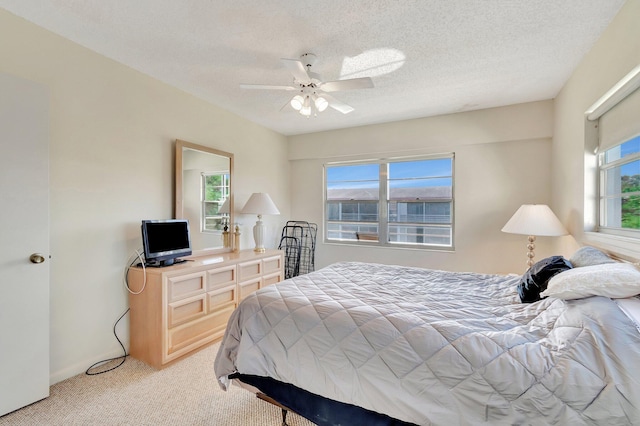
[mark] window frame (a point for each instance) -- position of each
(603, 167)
(622, 242)
(383, 222)
(225, 190)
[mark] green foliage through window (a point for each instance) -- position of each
(620, 186)
(215, 190)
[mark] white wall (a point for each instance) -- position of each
(502, 161)
(615, 54)
(112, 149)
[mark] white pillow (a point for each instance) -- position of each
(614, 280)
(589, 256)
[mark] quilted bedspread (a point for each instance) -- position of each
(435, 347)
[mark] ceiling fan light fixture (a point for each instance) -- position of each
(312, 93)
(297, 102)
(321, 103)
(306, 107)
(306, 111)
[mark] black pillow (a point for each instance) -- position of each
(535, 280)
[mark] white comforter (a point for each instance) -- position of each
(434, 347)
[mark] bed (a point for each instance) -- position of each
(363, 343)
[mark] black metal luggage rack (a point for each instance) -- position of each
(298, 241)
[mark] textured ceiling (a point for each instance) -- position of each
(426, 57)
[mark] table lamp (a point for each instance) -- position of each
(259, 203)
(534, 220)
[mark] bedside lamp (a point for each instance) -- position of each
(259, 203)
(532, 220)
(224, 208)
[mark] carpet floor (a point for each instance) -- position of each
(186, 393)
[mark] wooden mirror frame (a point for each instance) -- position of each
(179, 190)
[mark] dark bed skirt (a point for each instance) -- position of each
(320, 410)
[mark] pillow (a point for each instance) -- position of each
(589, 256)
(535, 279)
(614, 280)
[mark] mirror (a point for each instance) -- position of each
(203, 183)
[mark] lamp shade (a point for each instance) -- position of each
(535, 219)
(260, 203)
(224, 208)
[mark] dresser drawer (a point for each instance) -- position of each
(186, 310)
(249, 270)
(272, 264)
(185, 286)
(221, 277)
(271, 279)
(221, 297)
(248, 287)
(198, 332)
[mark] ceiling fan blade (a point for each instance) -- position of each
(336, 104)
(284, 107)
(266, 86)
(350, 84)
(297, 68)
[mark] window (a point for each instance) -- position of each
(215, 190)
(620, 187)
(615, 124)
(392, 202)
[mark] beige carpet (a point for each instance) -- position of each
(186, 393)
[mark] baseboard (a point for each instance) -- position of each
(79, 368)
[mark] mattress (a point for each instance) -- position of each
(436, 347)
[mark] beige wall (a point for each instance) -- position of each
(112, 132)
(112, 138)
(502, 160)
(615, 54)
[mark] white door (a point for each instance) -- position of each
(24, 230)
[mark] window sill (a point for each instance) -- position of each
(624, 247)
(375, 245)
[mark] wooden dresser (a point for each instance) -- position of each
(186, 306)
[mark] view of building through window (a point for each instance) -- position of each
(391, 202)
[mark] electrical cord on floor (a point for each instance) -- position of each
(123, 357)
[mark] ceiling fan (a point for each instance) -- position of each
(312, 93)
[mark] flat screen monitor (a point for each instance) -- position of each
(164, 241)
